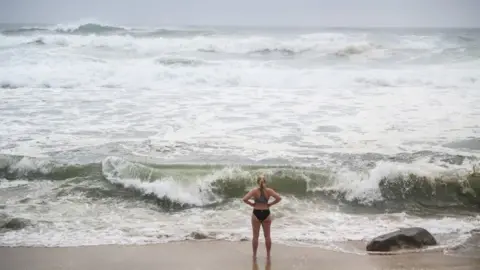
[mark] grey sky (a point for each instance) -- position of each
(360, 13)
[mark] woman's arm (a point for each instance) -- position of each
(274, 195)
(247, 197)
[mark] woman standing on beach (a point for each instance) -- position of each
(261, 212)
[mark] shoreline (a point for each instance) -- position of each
(218, 254)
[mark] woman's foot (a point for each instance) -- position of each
(254, 264)
(268, 265)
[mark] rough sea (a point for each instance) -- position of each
(122, 135)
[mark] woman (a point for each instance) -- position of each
(261, 212)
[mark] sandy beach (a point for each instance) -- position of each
(216, 255)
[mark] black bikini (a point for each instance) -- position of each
(261, 214)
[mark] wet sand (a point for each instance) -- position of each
(217, 255)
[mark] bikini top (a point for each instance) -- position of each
(262, 198)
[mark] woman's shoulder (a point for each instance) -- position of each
(255, 189)
(270, 190)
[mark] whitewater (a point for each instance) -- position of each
(124, 135)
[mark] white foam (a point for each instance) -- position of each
(9, 184)
(244, 104)
(28, 164)
(72, 221)
(365, 186)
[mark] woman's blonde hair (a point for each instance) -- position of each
(260, 182)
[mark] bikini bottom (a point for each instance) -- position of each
(261, 214)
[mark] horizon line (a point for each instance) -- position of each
(253, 25)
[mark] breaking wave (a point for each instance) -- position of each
(393, 186)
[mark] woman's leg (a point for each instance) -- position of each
(255, 234)
(266, 232)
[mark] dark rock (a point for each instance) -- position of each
(160, 236)
(16, 224)
(24, 200)
(4, 218)
(198, 236)
(405, 238)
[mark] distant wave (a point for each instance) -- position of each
(102, 29)
(168, 61)
(171, 33)
(318, 47)
(26, 30)
(88, 28)
(284, 52)
(8, 86)
(38, 41)
(340, 52)
(92, 28)
(356, 49)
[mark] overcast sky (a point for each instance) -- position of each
(356, 13)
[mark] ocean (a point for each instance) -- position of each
(129, 135)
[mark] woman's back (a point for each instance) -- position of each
(261, 198)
